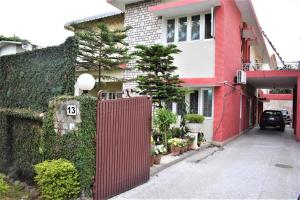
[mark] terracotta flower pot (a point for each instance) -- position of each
(157, 159)
(151, 161)
(190, 147)
(175, 151)
(181, 150)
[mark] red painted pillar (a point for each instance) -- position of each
(298, 111)
(294, 117)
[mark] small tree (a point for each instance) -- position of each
(102, 49)
(162, 120)
(158, 79)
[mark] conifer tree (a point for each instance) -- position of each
(102, 49)
(158, 78)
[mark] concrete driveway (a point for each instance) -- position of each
(257, 165)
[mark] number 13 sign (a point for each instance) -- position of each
(72, 110)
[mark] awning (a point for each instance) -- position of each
(183, 7)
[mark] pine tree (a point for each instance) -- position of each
(102, 49)
(158, 79)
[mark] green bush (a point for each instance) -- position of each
(194, 118)
(57, 179)
(3, 186)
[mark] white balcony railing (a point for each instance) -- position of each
(279, 66)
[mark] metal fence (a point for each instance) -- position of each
(123, 145)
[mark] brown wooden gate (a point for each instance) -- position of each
(123, 144)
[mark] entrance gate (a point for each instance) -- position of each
(123, 145)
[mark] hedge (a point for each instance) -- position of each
(78, 146)
(30, 79)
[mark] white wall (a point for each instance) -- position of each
(207, 128)
(9, 49)
(197, 59)
(279, 105)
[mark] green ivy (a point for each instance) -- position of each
(26, 140)
(78, 146)
(20, 132)
(4, 146)
(30, 79)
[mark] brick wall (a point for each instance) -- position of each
(146, 29)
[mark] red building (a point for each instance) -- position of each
(217, 38)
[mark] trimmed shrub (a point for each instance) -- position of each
(57, 179)
(194, 118)
(3, 186)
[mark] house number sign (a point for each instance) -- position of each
(71, 110)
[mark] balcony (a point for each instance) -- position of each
(276, 66)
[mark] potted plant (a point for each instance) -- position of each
(184, 145)
(159, 150)
(190, 137)
(162, 120)
(193, 122)
(152, 155)
(152, 152)
(176, 145)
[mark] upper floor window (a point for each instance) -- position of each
(171, 30)
(189, 28)
(195, 32)
(182, 29)
(208, 26)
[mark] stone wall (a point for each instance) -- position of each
(146, 29)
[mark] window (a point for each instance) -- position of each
(195, 32)
(182, 29)
(194, 99)
(208, 26)
(111, 95)
(171, 30)
(169, 106)
(189, 28)
(207, 102)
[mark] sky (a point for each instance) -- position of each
(42, 21)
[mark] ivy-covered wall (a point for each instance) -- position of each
(30, 79)
(78, 146)
(20, 133)
(27, 82)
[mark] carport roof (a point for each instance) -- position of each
(273, 79)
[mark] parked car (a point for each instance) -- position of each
(286, 116)
(272, 118)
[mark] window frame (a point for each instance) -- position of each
(201, 97)
(189, 28)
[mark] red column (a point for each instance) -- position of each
(294, 117)
(298, 111)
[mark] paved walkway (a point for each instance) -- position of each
(257, 165)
